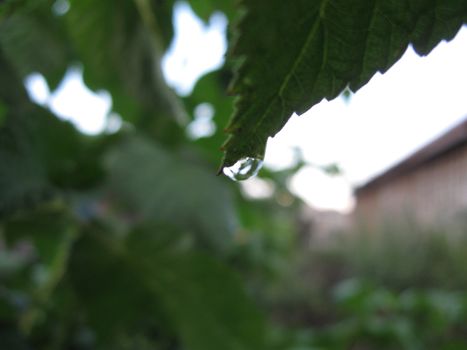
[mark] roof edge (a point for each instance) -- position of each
(453, 138)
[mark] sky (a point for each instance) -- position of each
(388, 119)
(392, 116)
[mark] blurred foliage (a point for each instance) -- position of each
(124, 240)
(128, 240)
(396, 287)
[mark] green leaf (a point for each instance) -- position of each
(162, 10)
(30, 183)
(314, 49)
(12, 92)
(38, 152)
(110, 294)
(120, 44)
(159, 187)
(35, 40)
(129, 285)
(211, 89)
(41, 155)
(206, 8)
(3, 113)
(205, 299)
(23, 178)
(12, 339)
(51, 231)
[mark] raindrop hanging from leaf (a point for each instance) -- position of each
(243, 169)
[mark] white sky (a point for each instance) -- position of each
(73, 101)
(196, 49)
(389, 118)
(392, 116)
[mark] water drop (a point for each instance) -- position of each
(244, 168)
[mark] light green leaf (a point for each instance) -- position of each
(291, 55)
(157, 186)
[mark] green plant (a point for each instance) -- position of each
(129, 240)
(372, 317)
(400, 287)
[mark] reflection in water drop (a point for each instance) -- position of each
(244, 169)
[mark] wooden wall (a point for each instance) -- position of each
(433, 193)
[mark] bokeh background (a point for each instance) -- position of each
(116, 233)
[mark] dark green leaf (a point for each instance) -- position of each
(41, 155)
(23, 179)
(204, 298)
(34, 40)
(111, 295)
(51, 232)
(206, 8)
(120, 46)
(123, 284)
(163, 12)
(211, 89)
(3, 112)
(294, 54)
(13, 339)
(12, 92)
(38, 152)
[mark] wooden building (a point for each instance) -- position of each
(428, 188)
